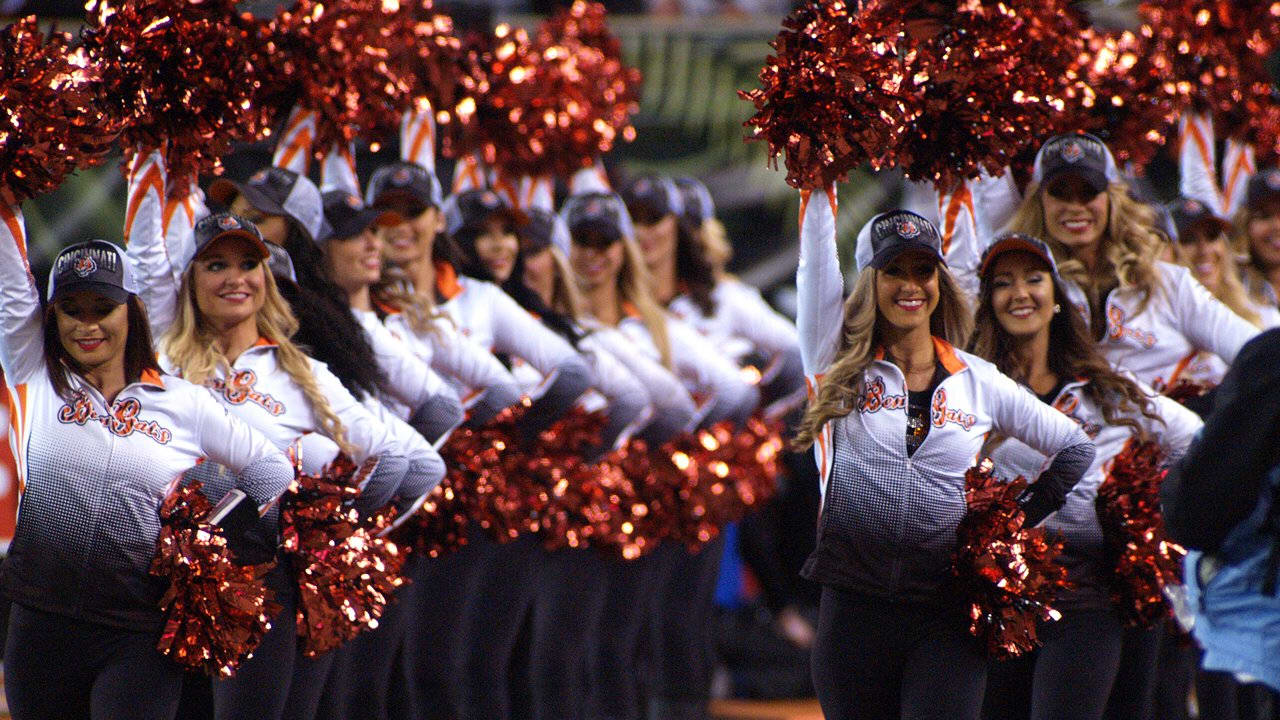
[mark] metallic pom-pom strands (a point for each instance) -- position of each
(216, 612)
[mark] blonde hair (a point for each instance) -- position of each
(860, 339)
(1230, 290)
(634, 287)
(1130, 246)
(1255, 278)
(190, 346)
(566, 298)
(715, 245)
(418, 307)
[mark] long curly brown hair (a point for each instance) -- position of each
(1072, 354)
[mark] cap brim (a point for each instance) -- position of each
(363, 220)
(1008, 245)
(224, 192)
(114, 293)
(1185, 226)
(887, 255)
(1096, 179)
(258, 243)
(394, 194)
(604, 228)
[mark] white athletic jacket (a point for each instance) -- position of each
(673, 408)
(742, 322)
(93, 474)
(888, 520)
(1181, 318)
(1077, 521)
(707, 374)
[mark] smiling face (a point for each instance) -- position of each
(229, 280)
(1205, 252)
(1075, 214)
(1022, 296)
(1264, 235)
(274, 228)
(355, 262)
(496, 248)
(596, 263)
(413, 239)
(93, 329)
(907, 290)
(656, 237)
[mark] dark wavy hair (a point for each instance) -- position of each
(326, 328)
(1072, 354)
(470, 265)
(693, 269)
(139, 351)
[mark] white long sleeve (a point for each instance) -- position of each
(21, 326)
(819, 284)
(1197, 161)
(145, 242)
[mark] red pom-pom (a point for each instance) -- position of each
(439, 527)
(216, 612)
(486, 466)
(1145, 559)
(1215, 50)
(180, 75)
(1124, 94)
(52, 123)
(834, 94)
(425, 50)
(1004, 571)
(345, 575)
(337, 59)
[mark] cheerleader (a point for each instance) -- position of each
(229, 328)
(898, 416)
(101, 436)
(1257, 237)
(417, 409)
(1201, 245)
(459, 677)
(686, 253)
(611, 273)
(1146, 314)
(1025, 325)
(571, 584)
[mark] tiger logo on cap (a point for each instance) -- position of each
(354, 202)
(907, 228)
(1191, 206)
(1273, 179)
(258, 178)
(1071, 151)
(85, 266)
(401, 177)
(226, 222)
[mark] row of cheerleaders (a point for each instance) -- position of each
(359, 449)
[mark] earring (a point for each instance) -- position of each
(1057, 309)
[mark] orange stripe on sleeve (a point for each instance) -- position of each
(423, 135)
(299, 143)
(961, 199)
(151, 180)
(15, 229)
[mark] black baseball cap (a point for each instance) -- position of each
(403, 181)
(1015, 242)
(347, 215)
(890, 234)
(543, 230)
(97, 266)
(1188, 213)
(277, 191)
(652, 197)
(471, 208)
(696, 199)
(1263, 186)
(215, 226)
(1081, 154)
(603, 215)
(280, 264)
